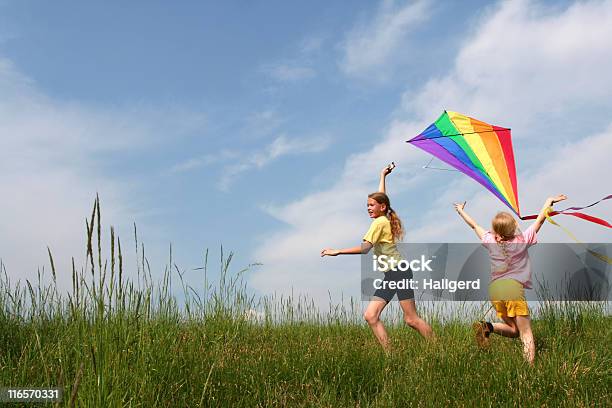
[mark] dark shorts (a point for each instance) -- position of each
(387, 294)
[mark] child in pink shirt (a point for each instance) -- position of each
(509, 258)
(510, 274)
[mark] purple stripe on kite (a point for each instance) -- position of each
(447, 143)
(438, 151)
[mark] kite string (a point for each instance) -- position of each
(436, 168)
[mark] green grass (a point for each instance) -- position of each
(112, 342)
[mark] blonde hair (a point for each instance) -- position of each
(504, 225)
(397, 230)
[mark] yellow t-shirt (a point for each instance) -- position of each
(380, 236)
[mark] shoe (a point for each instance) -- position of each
(481, 329)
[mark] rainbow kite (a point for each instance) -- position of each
(482, 151)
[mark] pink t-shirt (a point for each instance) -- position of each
(510, 259)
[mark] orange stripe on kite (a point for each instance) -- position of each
(503, 135)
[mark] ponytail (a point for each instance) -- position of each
(397, 230)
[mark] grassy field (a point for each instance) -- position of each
(112, 342)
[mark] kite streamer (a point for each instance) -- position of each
(576, 214)
(587, 206)
(601, 257)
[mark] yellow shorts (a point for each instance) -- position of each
(508, 298)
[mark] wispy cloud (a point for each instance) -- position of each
(311, 45)
(299, 66)
(209, 159)
(281, 146)
(257, 126)
(370, 47)
(263, 123)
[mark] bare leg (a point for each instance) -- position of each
(507, 329)
(372, 316)
(412, 319)
(524, 326)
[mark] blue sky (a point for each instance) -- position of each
(262, 125)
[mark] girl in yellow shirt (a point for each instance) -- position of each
(385, 230)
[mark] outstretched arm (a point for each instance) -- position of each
(383, 175)
(550, 201)
(364, 248)
(469, 220)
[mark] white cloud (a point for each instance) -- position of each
(257, 125)
(263, 123)
(281, 146)
(233, 163)
(525, 65)
(209, 159)
(300, 66)
(54, 154)
(368, 48)
(526, 60)
(311, 44)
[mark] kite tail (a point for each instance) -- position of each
(601, 257)
(574, 213)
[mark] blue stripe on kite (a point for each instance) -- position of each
(431, 131)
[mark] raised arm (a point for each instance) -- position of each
(383, 175)
(364, 248)
(469, 220)
(550, 201)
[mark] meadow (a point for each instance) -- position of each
(112, 342)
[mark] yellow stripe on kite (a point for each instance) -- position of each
(475, 141)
